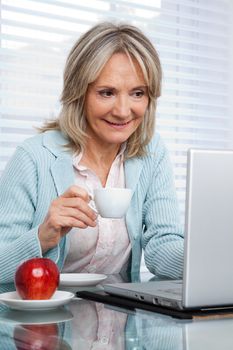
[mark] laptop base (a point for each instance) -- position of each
(104, 298)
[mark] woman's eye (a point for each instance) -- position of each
(106, 93)
(138, 93)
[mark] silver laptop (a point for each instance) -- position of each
(208, 244)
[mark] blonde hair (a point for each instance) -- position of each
(84, 64)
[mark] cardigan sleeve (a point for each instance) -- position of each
(18, 197)
(162, 238)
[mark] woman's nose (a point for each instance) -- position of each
(121, 107)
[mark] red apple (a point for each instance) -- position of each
(37, 279)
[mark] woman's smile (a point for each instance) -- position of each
(117, 125)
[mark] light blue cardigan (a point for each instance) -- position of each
(41, 169)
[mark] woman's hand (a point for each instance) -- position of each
(69, 210)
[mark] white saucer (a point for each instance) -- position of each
(13, 300)
(81, 279)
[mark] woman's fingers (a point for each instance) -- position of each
(73, 207)
(77, 199)
(69, 210)
(70, 214)
(75, 191)
(77, 203)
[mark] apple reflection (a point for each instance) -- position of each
(39, 337)
(36, 337)
(41, 330)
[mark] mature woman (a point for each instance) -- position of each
(104, 136)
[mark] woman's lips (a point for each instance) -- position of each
(118, 125)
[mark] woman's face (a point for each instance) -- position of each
(116, 102)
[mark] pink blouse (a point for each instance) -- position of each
(106, 247)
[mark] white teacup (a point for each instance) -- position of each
(112, 202)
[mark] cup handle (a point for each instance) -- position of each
(93, 207)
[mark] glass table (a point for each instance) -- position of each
(85, 325)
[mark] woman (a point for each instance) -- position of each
(104, 136)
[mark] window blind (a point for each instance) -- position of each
(193, 38)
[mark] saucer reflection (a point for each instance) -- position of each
(45, 317)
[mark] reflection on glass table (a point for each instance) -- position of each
(86, 325)
(26, 330)
(154, 331)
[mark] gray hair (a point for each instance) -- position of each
(84, 64)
